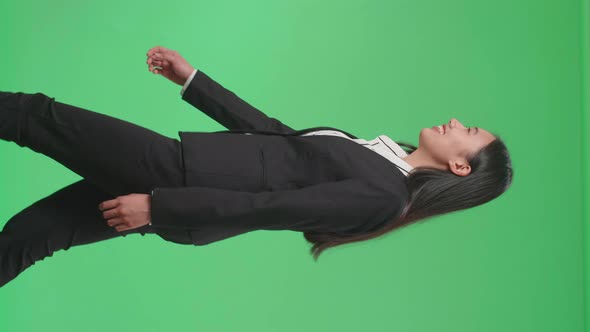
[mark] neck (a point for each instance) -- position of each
(419, 158)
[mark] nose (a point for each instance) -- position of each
(455, 123)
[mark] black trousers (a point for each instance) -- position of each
(114, 157)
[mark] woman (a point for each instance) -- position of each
(321, 181)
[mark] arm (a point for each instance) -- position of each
(338, 206)
(225, 107)
(210, 97)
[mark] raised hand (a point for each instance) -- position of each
(168, 63)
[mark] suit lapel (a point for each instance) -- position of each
(295, 133)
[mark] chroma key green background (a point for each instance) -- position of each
(516, 68)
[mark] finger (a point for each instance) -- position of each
(121, 228)
(158, 49)
(161, 66)
(153, 60)
(152, 50)
(115, 221)
(108, 204)
(112, 213)
(151, 63)
(169, 56)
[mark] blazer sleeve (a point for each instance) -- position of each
(225, 107)
(339, 206)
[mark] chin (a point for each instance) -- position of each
(428, 131)
(424, 135)
(427, 135)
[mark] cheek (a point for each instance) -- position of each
(459, 145)
(443, 146)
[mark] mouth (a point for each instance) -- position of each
(441, 129)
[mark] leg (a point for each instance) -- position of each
(117, 156)
(69, 217)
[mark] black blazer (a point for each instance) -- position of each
(273, 179)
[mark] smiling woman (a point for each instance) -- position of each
(328, 184)
(449, 146)
(455, 168)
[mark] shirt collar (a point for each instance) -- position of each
(396, 153)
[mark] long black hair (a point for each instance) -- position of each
(434, 191)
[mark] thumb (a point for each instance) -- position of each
(161, 70)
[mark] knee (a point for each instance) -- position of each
(22, 98)
(18, 254)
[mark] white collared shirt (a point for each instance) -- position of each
(382, 144)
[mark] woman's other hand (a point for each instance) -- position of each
(169, 64)
(127, 212)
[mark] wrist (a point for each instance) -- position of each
(187, 81)
(150, 199)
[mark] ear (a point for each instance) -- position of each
(460, 167)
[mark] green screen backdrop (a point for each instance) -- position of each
(516, 68)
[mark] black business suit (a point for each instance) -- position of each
(205, 187)
(274, 179)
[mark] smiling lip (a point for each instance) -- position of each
(436, 128)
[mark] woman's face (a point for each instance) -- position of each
(455, 143)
